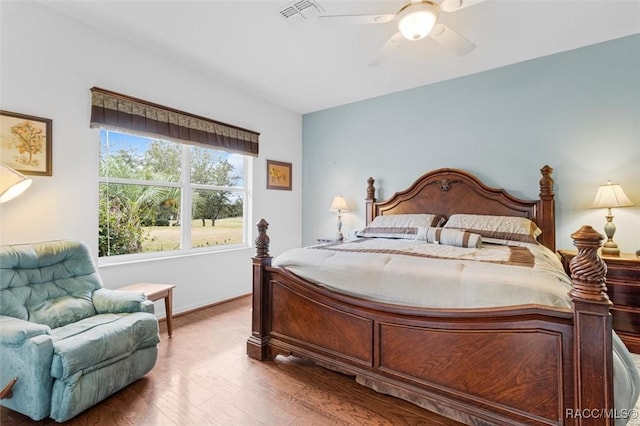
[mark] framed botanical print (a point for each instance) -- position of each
(278, 175)
(25, 143)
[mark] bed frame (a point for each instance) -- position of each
(523, 365)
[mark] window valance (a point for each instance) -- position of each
(120, 112)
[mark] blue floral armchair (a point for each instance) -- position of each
(69, 342)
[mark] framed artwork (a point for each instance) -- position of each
(25, 143)
(278, 175)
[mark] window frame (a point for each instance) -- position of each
(187, 189)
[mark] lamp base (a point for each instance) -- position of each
(610, 248)
(339, 236)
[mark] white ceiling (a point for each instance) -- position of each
(304, 66)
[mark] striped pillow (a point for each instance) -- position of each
(450, 237)
(496, 229)
(400, 225)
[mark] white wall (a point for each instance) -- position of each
(577, 111)
(48, 64)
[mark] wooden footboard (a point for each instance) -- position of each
(504, 366)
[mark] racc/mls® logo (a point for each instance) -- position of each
(598, 413)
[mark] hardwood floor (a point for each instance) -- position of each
(203, 377)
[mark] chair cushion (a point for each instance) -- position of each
(100, 340)
(48, 283)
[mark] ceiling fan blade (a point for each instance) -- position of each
(355, 19)
(386, 49)
(453, 5)
(451, 40)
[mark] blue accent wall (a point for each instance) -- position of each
(578, 111)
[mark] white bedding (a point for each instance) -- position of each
(417, 273)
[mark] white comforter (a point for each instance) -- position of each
(417, 273)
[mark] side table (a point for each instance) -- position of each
(623, 288)
(156, 292)
(326, 240)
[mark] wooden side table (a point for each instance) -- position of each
(326, 240)
(156, 292)
(623, 288)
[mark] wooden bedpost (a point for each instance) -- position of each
(257, 343)
(546, 209)
(592, 332)
(370, 200)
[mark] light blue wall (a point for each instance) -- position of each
(577, 111)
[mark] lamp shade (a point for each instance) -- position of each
(417, 20)
(611, 195)
(339, 204)
(12, 183)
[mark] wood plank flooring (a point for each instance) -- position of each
(203, 377)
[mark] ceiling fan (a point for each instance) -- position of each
(416, 20)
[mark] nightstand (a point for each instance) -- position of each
(326, 240)
(623, 288)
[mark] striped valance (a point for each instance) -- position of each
(120, 112)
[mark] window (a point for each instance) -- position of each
(169, 180)
(157, 196)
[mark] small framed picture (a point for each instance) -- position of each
(25, 143)
(278, 175)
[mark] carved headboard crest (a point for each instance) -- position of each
(445, 184)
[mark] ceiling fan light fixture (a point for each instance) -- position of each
(417, 19)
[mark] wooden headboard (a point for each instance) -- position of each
(449, 191)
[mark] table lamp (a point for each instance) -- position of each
(609, 196)
(12, 183)
(339, 205)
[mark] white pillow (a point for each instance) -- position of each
(496, 229)
(400, 225)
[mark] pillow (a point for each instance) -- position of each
(450, 237)
(400, 225)
(496, 229)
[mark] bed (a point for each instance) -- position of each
(525, 362)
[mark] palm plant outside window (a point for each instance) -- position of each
(157, 196)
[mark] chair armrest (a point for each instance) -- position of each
(26, 351)
(14, 331)
(107, 301)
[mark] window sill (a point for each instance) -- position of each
(128, 259)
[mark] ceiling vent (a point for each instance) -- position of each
(300, 10)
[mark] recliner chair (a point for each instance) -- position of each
(69, 342)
